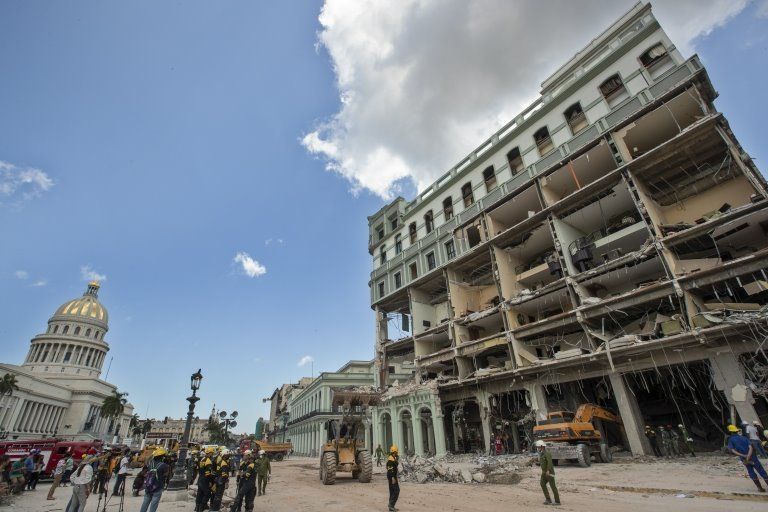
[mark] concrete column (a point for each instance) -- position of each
(482, 402)
(439, 428)
(418, 441)
(729, 378)
(538, 400)
(631, 416)
(396, 430)
(515, 438)
(431, 436)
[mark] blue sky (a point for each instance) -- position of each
(172, 135)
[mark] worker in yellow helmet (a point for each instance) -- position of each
(205, 475)
(739, 445)
(222, 477)
(394, 486)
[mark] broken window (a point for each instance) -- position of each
(383, 254)
(431, 262)
(450, 250)
(515, 160)
(414, 271)
(412, 232)
(448, 208)
(381, 289)
(466, 194)
(489, 176)
(398, 244)
(429, 221)
(653, 55)
(613, 90)
(543, 140)
(575, 117)
(398, 280)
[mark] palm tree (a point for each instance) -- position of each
(133, 426)
(112, 407)
(8, 385)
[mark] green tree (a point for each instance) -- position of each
(134, 426)
(113, 406)
(8, 385)
(216, 432)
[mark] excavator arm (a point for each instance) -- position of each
(587, 412)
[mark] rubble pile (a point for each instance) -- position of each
(500, 469)
(401, 389)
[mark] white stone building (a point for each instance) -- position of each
(60, 393)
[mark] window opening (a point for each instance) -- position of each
(429, 222)
(431, 262)
(383, 254)
(414, 271)
(613, 90)
(489, 176)
(576, 118)
(398, 244)
(381, 289)
(450, 249)
(398, 280)
(448, 208)
(466, 194)
(515, 160)
(412, 232)
(543, 141)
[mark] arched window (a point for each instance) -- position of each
(489, 177)
(77, 331)
(656, 60)
(55, 329)
(429, 221)
(448, 208)
(466, 194)
(575, 117)
(88, 333)
(514, 160)
(98, 335)
(613, 90)
(66, 330)
(412, 232)
(383, 254)
(543, 141)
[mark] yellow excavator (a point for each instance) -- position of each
(577, 436)
(344, 450)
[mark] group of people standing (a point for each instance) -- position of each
(21, 475)
(665, 440)
(213, 469)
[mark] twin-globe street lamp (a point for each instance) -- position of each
(179, 480)
(228, 422)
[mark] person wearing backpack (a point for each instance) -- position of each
(157, 472)
(222, 478)
(246, 489)
(204, 480)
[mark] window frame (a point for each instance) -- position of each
(615, 97)
(398, 243)
(581, 116)
(431, 265)
(413, 232)
(450, 249)
(429, 221)
(542, 142)
(448, 209)
(467, 193)
(383, 253)
(490, 179)
(398, 277)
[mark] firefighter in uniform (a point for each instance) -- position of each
(205, 471)
(394, 485)
(246, 487)
(222, 477)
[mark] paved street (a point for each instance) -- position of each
(625, 486)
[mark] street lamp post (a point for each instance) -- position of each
(228, 422)
(179, 480)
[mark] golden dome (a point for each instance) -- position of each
(86, 307)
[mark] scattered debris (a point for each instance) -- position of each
(467, 468)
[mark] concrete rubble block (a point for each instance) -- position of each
(466, 475)
(441, 470)
(478, 477)
(422, 477)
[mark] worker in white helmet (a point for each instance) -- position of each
(547, 473)
(264, 470)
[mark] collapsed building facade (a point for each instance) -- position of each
(608, 246)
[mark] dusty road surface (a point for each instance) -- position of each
(710, 483)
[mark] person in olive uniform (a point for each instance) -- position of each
(651, 435)
(204, 480)
(674, 441)
(379, 455)
(547, 473)
(246, 489)
(394, 486)
(263, 470)
(222, 477)
(666, 444)
(687, 439)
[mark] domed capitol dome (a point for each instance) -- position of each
(74, 341)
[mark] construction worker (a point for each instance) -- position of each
(379, 454)
(394, 486)
(263, 470)
(192, 466)
(740, 445)
(687, 439)
(547, 473)
(653, 440)
(222, 478)
(666, 448)
(246, 489)
(204, 480)
(674, 441)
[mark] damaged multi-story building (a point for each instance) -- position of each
(608, 245)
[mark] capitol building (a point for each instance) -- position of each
(60, 391)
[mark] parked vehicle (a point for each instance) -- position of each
(51, 449)
(275, 451)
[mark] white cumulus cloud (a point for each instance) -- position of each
(250, 266)
(21, 274)
(88, 274)
(39, 283)
(304, 361)
(21, 183)
(423, 82)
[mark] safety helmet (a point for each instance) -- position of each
(733, 428)
(159, 452)
(85, 456)
(393, 448)
(225, 452)
(248, 452)
(540, 443)
(680, 426)
(262, 452)
(210, 450)
(754, 422)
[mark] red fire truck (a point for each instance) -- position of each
(51, 449)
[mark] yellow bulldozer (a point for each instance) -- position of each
(578, 436)
(344, 450)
